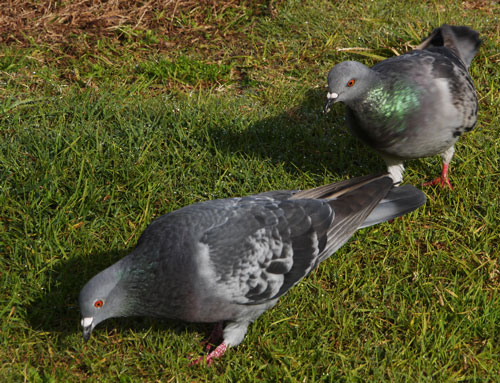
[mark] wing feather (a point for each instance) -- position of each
(267, 246)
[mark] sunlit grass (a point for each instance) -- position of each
(94, 147)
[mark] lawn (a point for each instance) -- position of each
(113, 114)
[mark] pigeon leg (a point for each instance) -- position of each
(217, 353)
(233, 335)
(447, 155)
(442, 180)
(214, 336)
(395, 169)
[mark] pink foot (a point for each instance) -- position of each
(214, 337)
(217, 353)
(443, 180)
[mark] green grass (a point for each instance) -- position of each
(184, 71)
(94, 146)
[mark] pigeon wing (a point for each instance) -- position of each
(352, 209)
(266, 246)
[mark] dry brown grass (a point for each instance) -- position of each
(58, 33)
(54, 22)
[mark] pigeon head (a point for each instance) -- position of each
(347, 82)
(101, 298)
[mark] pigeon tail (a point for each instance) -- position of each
(399, 201)
(463, 41)
(337, 189)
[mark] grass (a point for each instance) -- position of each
(105, 133)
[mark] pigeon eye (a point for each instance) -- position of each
(351, 82)
(98, 303)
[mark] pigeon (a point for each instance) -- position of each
(414, 105)
(227, 261)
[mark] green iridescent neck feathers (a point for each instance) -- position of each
(388, 104)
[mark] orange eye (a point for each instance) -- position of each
(98, 303)
(351, 82)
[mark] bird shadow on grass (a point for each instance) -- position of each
(56, 310)
(304, 139)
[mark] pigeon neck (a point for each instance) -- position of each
(371, 81)
(150, 294)
(388, 99)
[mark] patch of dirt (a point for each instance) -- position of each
(56, 22)
(483, 5)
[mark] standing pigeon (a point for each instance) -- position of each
(230, 260)
(414, 105)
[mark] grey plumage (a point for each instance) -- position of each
(414, 105)
(231, 259)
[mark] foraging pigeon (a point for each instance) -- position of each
(231, 259)
(414, 105)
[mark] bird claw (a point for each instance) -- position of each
(198, 361)
(208, 344)
(214, 337)
(440, 181)
(217, 353)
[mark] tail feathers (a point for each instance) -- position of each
(399, 201)
(462, 40)
(337, 189)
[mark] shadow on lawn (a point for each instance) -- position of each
(303, 138)
(57, 310)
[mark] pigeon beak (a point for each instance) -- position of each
(331, 98)
(88, 326)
